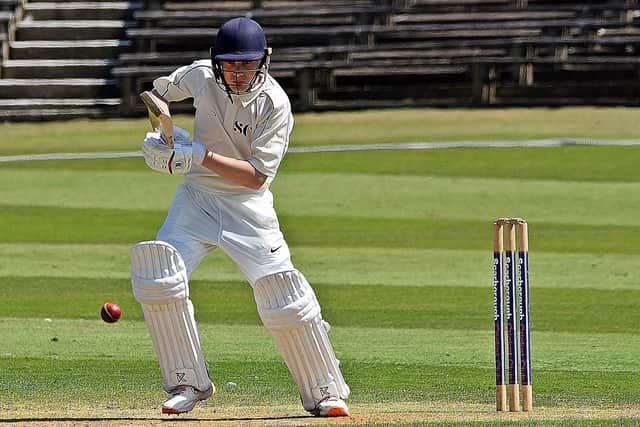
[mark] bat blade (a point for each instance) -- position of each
(159, 115)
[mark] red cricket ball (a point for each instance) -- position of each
(110, 312)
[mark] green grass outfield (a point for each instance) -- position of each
(396, 243)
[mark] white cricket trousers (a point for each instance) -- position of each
(244, 226)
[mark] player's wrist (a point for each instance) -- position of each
(198, 152)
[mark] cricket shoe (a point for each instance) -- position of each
(184, 398)
(331, 407)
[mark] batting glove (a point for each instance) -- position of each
(179, 159)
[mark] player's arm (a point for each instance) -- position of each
(180, 158)
(268, 146)
(239, 171)
(179, 85)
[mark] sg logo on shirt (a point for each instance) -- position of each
(241, 128)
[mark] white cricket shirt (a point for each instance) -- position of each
(254, 127)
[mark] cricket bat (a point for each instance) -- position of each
(159, 115)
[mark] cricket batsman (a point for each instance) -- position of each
(241, 133)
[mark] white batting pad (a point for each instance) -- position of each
(289, 309)
(160, 284)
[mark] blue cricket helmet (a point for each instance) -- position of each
(240, 39)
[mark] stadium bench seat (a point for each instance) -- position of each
(266, 17)
(263, 4)
(480, 17)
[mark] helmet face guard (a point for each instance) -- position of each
(237, 75)
(240, 40)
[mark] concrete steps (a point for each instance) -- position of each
(59, 49)
(71, 30)
(74, 10)
(59, 62)
(58, 68)
(38, 114)
(47, 102)
(58, 88)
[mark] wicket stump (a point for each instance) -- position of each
(513, 332)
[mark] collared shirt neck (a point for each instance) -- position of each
(246, 98)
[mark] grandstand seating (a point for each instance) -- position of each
(58, 59)
(333, 54)
(421, 52)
